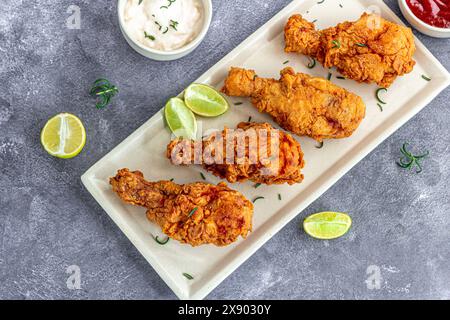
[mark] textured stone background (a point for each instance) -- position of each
(48, 221)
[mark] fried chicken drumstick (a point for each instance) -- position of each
(371, 49)
(196, 213)
(255, 151)
(305, 105)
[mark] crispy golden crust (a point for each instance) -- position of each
(272, 156)
(196, 213)
(371, 49)
(305, 105)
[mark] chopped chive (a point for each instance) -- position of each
(320, 145)
(409, 160)
(321, 1)
(171, 179)
(257, 185)
(140, 1)
(279, 196)
(340, 77)
(336, 43)
(377, 95)
(361, 45)
(257, 198)
(340, 5)
(329, 76)
(237, 103)
(165, 31)
(202, 175)
(159, 25)
(174, 24)
(380, 106)
(249, 119)
(164, 7)
(192, 212)
(149, 36)
(188, 276)
(286, 62)
(311, 64)
(163, 242)
(314, 21)
(426, 78)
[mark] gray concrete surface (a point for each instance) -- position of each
(48, 221)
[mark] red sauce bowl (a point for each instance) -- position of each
(430, 17)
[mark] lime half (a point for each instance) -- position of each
(63, 136)
(180, 119)
(327, 225)
(205, 101)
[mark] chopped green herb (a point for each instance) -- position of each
(249, 119)
(192, 212)
(149, 36)
(320, 145)
(426, 78)
(165, 31)
(409, 160)
(202, 175)
(257, 198)
(340, 5)
(163, 242)
(340, 77)
(140, 1)
(159, 25)
(329, 76)
(168, 5)
(361, 45)
(311, 64)
(314, 21)
(104, 91)
(188, 276)
(377, 95)
(286, 62)
(237, 103)
(257, 185)
(279, 196)
(171, 179)
(174, 24)
(336, 43)
(321, 1)
(380, 106)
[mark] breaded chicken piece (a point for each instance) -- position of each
(196, 213)
(305, 105)
(371, 49)
(255, 151)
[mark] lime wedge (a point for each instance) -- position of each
(204, 100)
(180, 119)
(63, 136)
(327, 225)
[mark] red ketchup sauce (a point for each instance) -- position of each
(432, 12)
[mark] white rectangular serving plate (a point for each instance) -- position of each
(144, 150)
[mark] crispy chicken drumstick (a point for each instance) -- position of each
(196, 213)
(305, 105)
(371, 49)
(255, 151)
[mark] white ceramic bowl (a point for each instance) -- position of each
(421, 26)
(167, 55)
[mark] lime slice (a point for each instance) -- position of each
(180, 119)
(327, 225)
(63, 136)
(205, 101)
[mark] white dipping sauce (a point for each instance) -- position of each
(163, 24)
